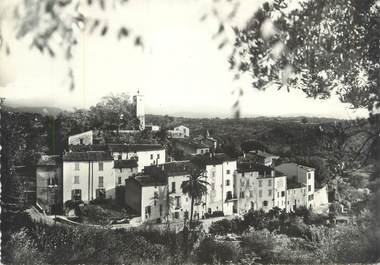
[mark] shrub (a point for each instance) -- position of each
(211, 251)
(221, 227)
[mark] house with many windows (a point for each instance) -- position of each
(220, 169)
(88, 176)
(144, 154)
(259, 187)
(176, 173)
(146, 194)
(300, 174)
(123, 169)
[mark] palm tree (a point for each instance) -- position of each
(195, 187)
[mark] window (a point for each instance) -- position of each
(76, 179)
(229, 195)
(228, 171)
(265, 203)
(242, 194)
(260, 193)
(80, 141)
(100, 182)
(311, 197)
(119, 180)
(100, 194)
(227, 182)
(151, 156)
(201, 151)
(173, 187)
(76, 195)
(176, 215)
(178, 201)
(282, 193)
(309, 187)
(100, 166)
(212, 186)
(308, 175)
(119, 157)
(161, 209)
(269, 182)
(269, 192)
(251, 194)
(260, 183)
(158, 156)
(148, 210)
(76, 166)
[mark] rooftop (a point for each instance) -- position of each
(134, 147)
(149, 180)
(264, 171)
(176, 168)
(299, 166)
(85, 148)
(263, 154)
(87, 156)
(130, 163)
(211, 159)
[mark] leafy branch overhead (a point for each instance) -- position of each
(320, 47)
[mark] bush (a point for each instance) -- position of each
(211, 251)
(225, 226)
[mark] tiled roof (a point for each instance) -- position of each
(87, 156)
(134, 147)
(148, 180)
(50, 160)
(177, 168)
(210, 159)
(130, 163)
(264, 171)
(85, 148)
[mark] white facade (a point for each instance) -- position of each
(296, 197)
(302, 174)
(221, 196)
(144, 158)
(180, 207)
(183, 129)
(138, 100)
(88, 178)
(85, 138)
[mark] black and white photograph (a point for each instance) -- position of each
(190, 132)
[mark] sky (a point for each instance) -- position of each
(180, 70)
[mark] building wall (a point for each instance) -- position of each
(246, 191)
(296, 197)
(175, 134)
(140, 112)
(88, 174)
(133, 195)
(144, 157)
(184, 130)
(320, 197)
(45, 194)
(184, 208)
(221, 179)
(86, 137)
(302, 175)
(122, 174)
(148, 200)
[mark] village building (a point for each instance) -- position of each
(260, 157)
(153, 128)
(220, 170)
(176, 173)
(191, 148)
(49, 184)
(123, 169)
(88, 176)
(184, 130)
(301, 174)
(146, 194)
(138, 101)
(296, 195)
(259, 187)
(144, 154)
(86, 138)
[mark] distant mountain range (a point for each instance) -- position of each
(46, 111)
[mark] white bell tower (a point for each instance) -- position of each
(138, 101)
